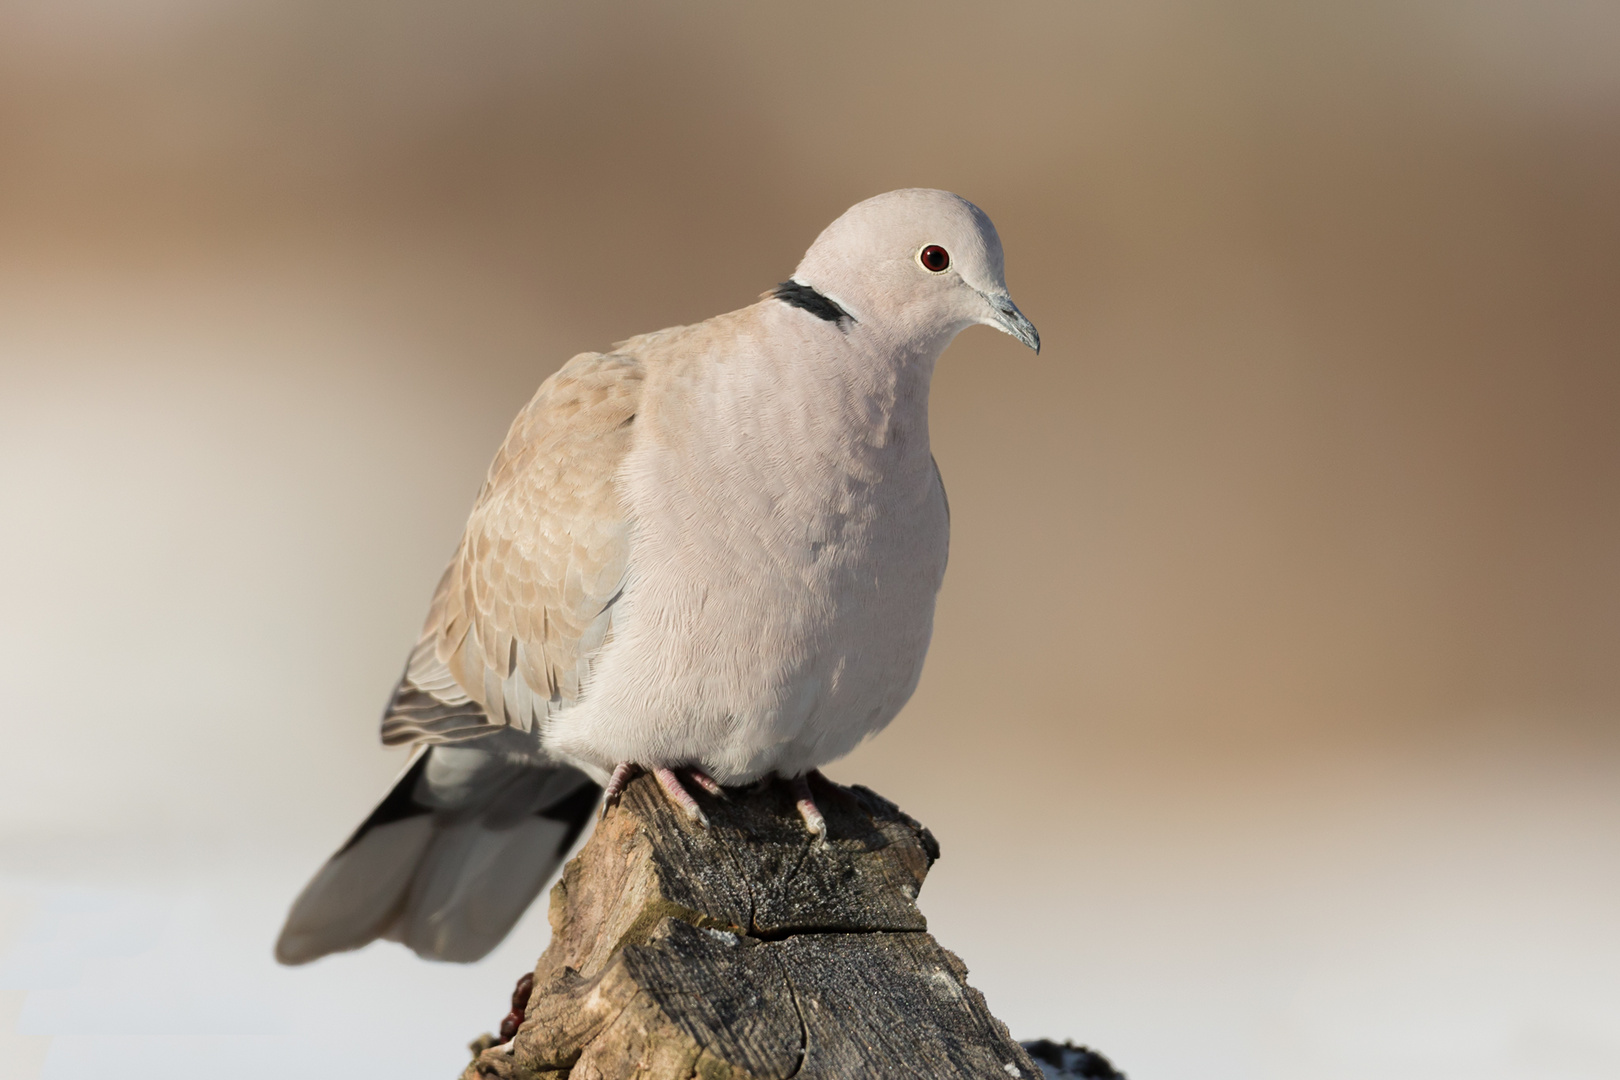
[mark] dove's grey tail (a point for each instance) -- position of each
(449, 860)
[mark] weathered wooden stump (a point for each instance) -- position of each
(749, 950)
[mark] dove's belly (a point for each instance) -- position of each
(749, 665)
(776, 612)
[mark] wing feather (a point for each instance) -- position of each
(527, 601)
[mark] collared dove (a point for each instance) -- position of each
(713, 550)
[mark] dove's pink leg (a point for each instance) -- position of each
(621, 776)
(679, 795)
(707, 783)
(622, 772)
(671, 783)
(806, 803)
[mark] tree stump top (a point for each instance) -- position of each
(750, 950)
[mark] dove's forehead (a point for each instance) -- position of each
(897, 224)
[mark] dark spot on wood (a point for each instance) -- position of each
(1080, 1062)
(520, 993)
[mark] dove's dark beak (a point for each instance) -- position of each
(1005, 316)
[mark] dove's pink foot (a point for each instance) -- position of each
(707, 783)
(806, 803)
(680, 796)
(622, 772)
(625, 771)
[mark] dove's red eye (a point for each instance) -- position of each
(935, 258)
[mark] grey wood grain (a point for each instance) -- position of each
(749, 950)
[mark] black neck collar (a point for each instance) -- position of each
(797, 295)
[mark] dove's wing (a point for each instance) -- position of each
(527, 602)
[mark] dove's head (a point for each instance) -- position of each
(918, 265)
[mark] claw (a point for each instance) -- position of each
(707, 783)
(680, 796)
(622, 772)
(806, 803)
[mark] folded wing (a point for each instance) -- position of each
(528, 599)
(481, 818)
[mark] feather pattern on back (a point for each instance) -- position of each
(528, 599)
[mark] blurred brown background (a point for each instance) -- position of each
(1272, 725)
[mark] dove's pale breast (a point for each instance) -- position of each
(788, 535)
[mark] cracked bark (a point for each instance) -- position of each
(749, 951)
